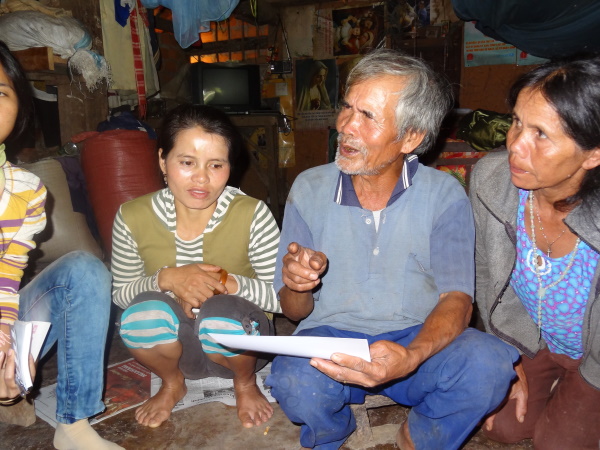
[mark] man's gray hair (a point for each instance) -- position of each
(423, 102)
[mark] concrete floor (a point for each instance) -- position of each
(213, 425)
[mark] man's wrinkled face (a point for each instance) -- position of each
(367, 141)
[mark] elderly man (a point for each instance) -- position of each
(377, 246)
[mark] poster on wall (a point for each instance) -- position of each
(316, 92)
(357, 30)
(409, 19)
(480, 50)
(323, 35)
(345, 65)
(525, 59)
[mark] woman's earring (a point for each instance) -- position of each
(165, 179)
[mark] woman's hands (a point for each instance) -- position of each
(9, 389)
(193, 284)
(519, 392)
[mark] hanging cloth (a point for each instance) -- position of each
(116, 40)
(138, 63)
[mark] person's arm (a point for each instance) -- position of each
(262, 252)
(301, 273)
(23, 218)
(449, 318)
(520, 389)
(452, 242)
(126, 265)
(190, 284)
(389, 360)
(295, 279)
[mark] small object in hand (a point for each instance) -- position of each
(266, 431)
(223, 280)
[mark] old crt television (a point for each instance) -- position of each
(234, 88)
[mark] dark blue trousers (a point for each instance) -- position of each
(449, 393)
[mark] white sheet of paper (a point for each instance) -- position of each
(27, 338)
(303, 346)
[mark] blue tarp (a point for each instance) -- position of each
(191, 17)
(544, 28)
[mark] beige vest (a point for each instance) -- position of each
(226, 246)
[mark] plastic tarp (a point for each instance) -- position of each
(544, 28)
(191, 17)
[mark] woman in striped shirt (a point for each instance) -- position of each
(73, 293)
(194, 258)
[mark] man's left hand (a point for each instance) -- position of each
(389, 361)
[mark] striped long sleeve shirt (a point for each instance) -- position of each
(21, 217)
(127, 267)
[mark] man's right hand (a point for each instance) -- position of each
(302, 268)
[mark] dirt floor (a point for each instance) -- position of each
(214, 425)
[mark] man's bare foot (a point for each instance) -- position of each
(158, 409)
(403, 438)
(252, 406)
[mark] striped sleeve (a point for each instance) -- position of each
(262, 251)
(23, 217)
(126, 265)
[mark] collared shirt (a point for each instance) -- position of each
(346, 195)
(388, 278)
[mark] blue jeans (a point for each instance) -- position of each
(74, 295)
(449, 393)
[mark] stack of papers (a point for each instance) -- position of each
(27, 338)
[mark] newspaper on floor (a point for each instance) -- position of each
(129, 384)
(213, 389)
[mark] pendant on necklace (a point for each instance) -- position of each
(540, 260)
(541, 292)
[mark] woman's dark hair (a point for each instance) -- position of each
(211, 120)
(572, 87)
(15, 73)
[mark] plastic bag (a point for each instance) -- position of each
(66, 36)
(484, 130)
(21, 30)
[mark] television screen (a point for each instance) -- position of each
(230, 87)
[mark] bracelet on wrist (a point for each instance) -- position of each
(10, 401)
(222, 280)
(155, 286)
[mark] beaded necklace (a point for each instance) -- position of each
(541, 293)
(548, 243)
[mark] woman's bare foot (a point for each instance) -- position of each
(158, 409)
(252, 406)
